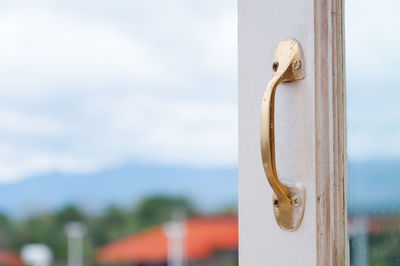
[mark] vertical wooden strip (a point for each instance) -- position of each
(332, 244)
(339, 86)
(322, 152)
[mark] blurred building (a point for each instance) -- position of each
(370, 235)
(8, 258)
(36, 254)
(207, 241)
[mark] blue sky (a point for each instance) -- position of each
(93, 85)
(373, 85)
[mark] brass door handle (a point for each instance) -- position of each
(288, 201)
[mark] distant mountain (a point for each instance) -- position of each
(209, 189)
(373, 186)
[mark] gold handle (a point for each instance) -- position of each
(288, 201)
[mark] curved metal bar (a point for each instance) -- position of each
(288, 201)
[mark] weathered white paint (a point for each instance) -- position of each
(262, 24)
(310, 133)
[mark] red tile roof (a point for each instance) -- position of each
(9, 258)
(203, 237)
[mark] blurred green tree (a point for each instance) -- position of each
(157, 210)
(113, 223)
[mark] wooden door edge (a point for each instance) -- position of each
(330, 121)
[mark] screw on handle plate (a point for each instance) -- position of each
(288, 201)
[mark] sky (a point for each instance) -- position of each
(91, 85)
(373, 85)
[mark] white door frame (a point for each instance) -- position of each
(310, 133)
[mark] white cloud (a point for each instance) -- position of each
(41, 48)
(170, 130)
(90, 85)
(373, 88)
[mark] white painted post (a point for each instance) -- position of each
(309, 133)
(359, 234)
(75, 232)
(36, 254)
(176, 232)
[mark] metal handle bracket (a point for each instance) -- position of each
(288, 201)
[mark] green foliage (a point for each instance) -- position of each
(384, 249)
(47, 228)
(112, 224)
(154, 211)
(6, 230)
